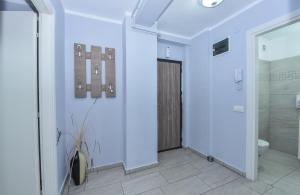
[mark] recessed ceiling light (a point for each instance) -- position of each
(211, 3)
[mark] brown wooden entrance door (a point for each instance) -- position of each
(169, 104)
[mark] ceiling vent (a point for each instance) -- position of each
(221, 47)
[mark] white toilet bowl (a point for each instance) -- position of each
(263, 146)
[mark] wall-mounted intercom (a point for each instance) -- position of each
(238, 75)
(238, 78)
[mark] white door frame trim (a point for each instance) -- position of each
(252, 87)
(47, 96)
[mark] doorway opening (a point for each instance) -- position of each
(169, 104)
(272, 88)
(278, 89)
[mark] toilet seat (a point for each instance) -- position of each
(263, 143)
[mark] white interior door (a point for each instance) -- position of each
(19, 156)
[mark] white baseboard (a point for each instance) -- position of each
(142, 168)
(105, 167)
(219, 162)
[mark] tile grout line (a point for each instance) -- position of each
(290, 173)
(211, 189)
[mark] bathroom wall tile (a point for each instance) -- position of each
(281, 80)
(264, 86)
(284, 144)
(288, 87)
(286, 101)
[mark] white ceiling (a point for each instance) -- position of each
(110, 9)
(17, 1)
(188, 17)
(183, 17)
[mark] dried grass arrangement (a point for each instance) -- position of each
(80, 151)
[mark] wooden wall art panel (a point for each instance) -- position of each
(97, 57)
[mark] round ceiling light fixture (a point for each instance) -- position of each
(211, 3)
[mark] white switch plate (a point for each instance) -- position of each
(238, 109)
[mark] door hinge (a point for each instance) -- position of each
(37, 35)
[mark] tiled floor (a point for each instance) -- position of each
(281, 171)
(182, 172)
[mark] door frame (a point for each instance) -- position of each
(47, 95)
(252, 88)
(180, 63)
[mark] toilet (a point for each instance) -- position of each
(263, 146)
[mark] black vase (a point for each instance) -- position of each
(78, 166)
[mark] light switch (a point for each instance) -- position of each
(238, 109)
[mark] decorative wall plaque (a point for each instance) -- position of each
(97, 57)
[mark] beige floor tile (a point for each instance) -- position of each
(143, 183)
(218, 176)
(189, 186)
(232, 188)
(156, 191)
(172, 153)
(193, 155)
(188, 173)
(275, 191)
(257, 186)
(173, 161)
(290, 184)
(144, 172)
(203, 165)
(179, 172)
(282, 158)
(106, 177)
(112, 189)
(270, 171)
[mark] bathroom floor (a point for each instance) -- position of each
(281, 171)
(182, 172)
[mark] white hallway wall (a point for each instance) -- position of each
(105, 121)
(60, 89)
(125, 125)
(214, 128)
(140, 97)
